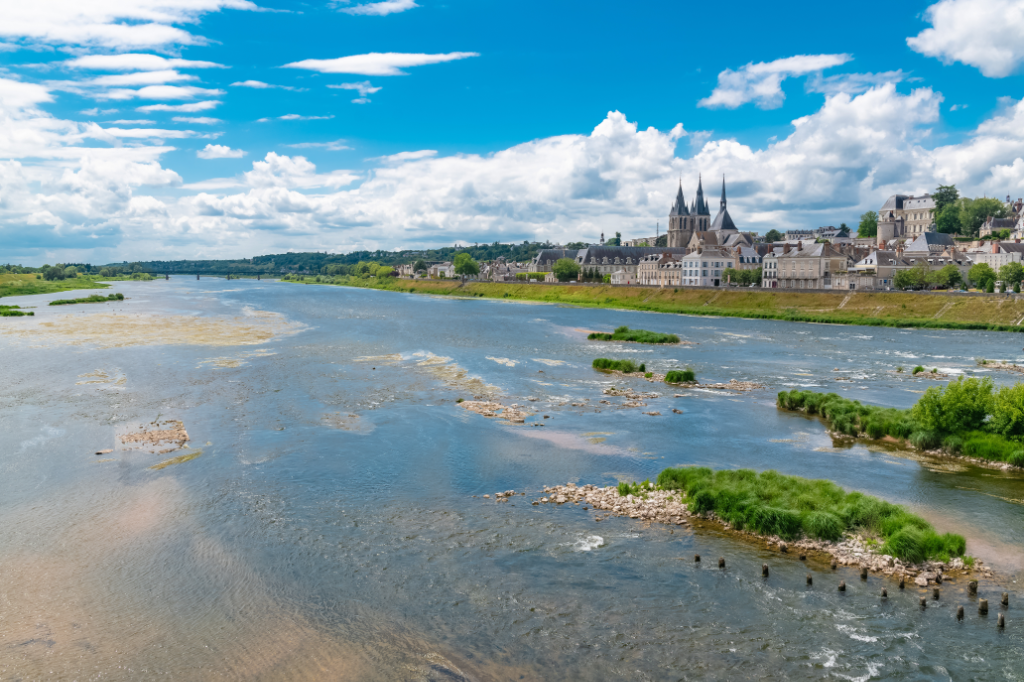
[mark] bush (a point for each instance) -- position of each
(990, 446)
(634, 335)
(685, 376)
(962, 406)
(1008, 411)
(917, 369)
(1016, 458)
(626, 366)
(790, 507)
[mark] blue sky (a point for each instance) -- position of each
(141, 129)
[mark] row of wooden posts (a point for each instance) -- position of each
(972, 588)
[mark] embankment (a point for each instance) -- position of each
(876, 309)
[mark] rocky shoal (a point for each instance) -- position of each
(663, 506)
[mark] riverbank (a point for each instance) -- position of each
(875, 309)
(28, 285)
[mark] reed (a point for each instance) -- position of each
(625, 366)
(634, 335)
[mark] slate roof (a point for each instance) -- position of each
(679, 208)
(931, 241)
(553, 255)
(621, 252)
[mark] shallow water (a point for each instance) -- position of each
(329, 530)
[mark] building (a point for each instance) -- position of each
(683, 221)
(993, 224)
(545, 259)
(703, 268)
(606, 260)
(804, 267)
(999, 254)
(914, 214)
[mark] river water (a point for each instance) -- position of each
(334, 525)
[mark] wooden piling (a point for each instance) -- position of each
(935, 593)
(959, 613)
(842, 586)
(983, 607)
(834, 563)
(972, 587)
(924, 602)
(721, 562)
(696, 558)
(810, 579)
(764, 570)
(1001, 622)
(1005, 601)
(863, 573)
(885, 593)
(903, 582)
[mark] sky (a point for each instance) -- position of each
(200, 129)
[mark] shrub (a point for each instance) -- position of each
(684, 376)
(990, 446)
(635, 335)
(647, 375)
(899, 368)
(1008, 411)
(1016, 458)
(625, 366)
(925, 440)
(961, 406)
(823, 525)
(917, 369)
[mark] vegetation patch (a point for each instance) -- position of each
(95, 298)
(683, 376)
(634, 335)
(14, 311)
(176, 460)
(624, 366)
(791, 507)
(968, 417)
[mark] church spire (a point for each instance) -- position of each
(702, 205)
(723, 191)
(679, 208)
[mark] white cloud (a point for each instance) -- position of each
(402, 157)
(136, 62)
(260, 85)
(982, 33)
(113, 24)
(762, 82)
(132, 122)
(363, 87)
(160, 92)
(377, 63)
(335, 146)
(219, 151)
(295, 117)
(852, 83)
(198, 120)
(96, 111)
(141, 78)
(958, 107)
(361, 100)
(380, 9)
(189, 108)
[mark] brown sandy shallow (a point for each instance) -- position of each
(119, 330)
(95, 594)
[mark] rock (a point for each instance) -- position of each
(921, 581)
(783, 546)
(487, 497)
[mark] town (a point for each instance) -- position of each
(898, 247)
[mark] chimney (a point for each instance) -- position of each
(1016, 241)
(995, 247)
(800, 246)
(785, 248)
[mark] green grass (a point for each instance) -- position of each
(635, 335)
(791, 507)
(852, 418)
(95, 298)
(14, 311)
(627, 366)
(684, 376)
(27, 285)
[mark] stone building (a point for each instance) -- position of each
(804, 267)
(913, 215)
(607, 260)
(683, 221)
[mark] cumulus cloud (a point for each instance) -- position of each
(377, 63)
(761, 83)
(112, 24)
(141, 78)
(188, 108)
(198, 120)
(363, 87)
(852, 83)
(159, 92)
(132, 122)
(136, 62)
(401, 157)
(380, 9)
(219, 151)
(260, 85)
(985, 34)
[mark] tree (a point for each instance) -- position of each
(662, 240)
(974, 212)
(419, 266)
(868, 225)
(960, 408)
(566, 269)
(772, 236)
(947, 219)
(1008, 411)
(945, 195)
(912, 278)
(615, 241)
(1012, 274)
(947, 277)
(465, 265)
(981, 274)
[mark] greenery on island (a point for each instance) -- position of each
(464, 265)
(773, 235)
(968, 417)
(635, 335)
(680, 376)
(14, 311)
(625, 366)
(868, 225)
(742, 277)
(95, 298)
(17, 284)
(791, 507)
(566, 269)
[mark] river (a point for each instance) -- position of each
(334, 525)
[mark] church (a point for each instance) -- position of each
(686, 223)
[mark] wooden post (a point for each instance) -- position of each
(721, 562)
(1006, 599)
(764, 570)
(842, 586)
(972, 588)
(1001, 622)
(983, 607)
(959, 613)
(924, 602)
(935, 593)
(834, 563)
(810, 579)
(903, 582)
(885, 593)
(863, 573)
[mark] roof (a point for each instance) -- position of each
(894, 203)
(723, 221)
(931, 241)
(679, 208)
(621, 252)
(554, 254)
